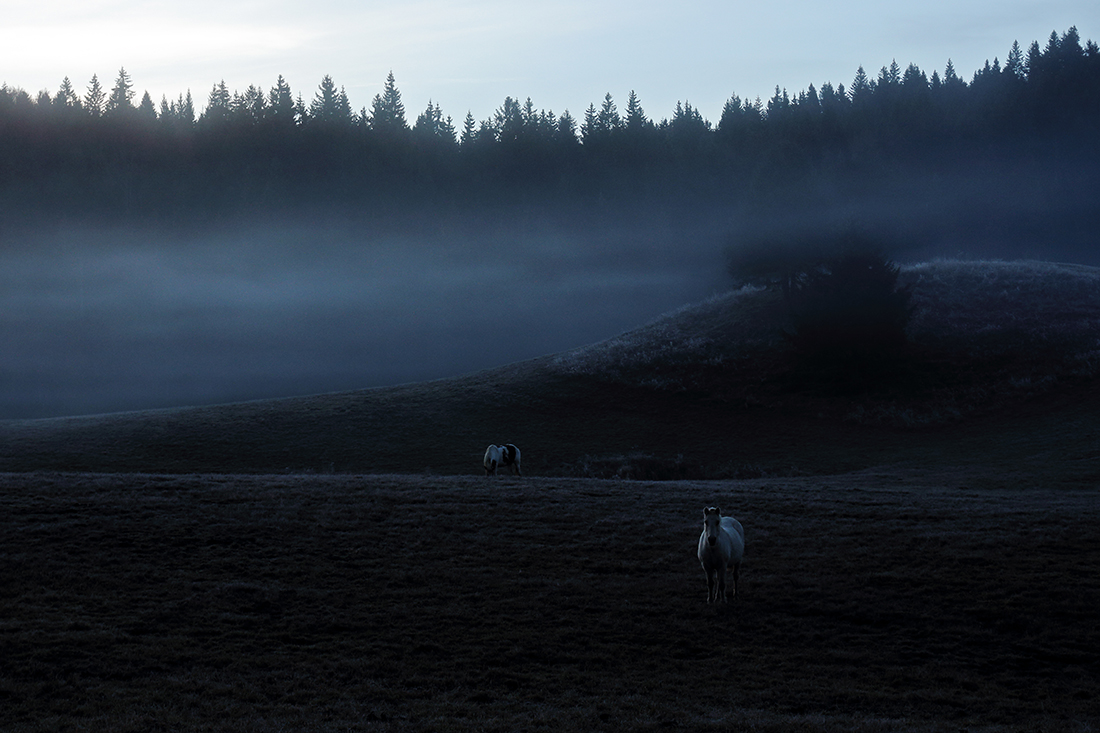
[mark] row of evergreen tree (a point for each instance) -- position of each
(265, 140)
(1065, 61)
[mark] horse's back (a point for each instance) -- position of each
(734, 527)
(737, 538)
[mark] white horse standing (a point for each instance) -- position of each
(501, 455)
(721, 546)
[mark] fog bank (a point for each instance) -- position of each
(113, 320)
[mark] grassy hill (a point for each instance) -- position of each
(1000, 369)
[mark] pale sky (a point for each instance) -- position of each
(471, 54)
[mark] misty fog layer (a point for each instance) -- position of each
(118, 320)
(263, 249)
(108, 318)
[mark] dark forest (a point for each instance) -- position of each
(103, 156)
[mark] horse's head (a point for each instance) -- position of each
(712, 524)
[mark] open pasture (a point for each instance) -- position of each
(877, 601)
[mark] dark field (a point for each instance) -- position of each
(877, 601)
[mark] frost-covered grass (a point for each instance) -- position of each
(707, 331)
(680, 349)
(1040, 311)
(981, 333)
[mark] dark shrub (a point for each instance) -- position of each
(848, 313)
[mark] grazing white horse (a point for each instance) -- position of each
(501, 455)
(721, 546)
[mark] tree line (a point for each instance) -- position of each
(102, 151)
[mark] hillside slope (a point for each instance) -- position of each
(1001, 367)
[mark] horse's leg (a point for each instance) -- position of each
(722, 583)
(736, 576)
(710, 585)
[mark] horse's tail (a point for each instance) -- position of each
(515, 460)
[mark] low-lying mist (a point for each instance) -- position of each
(117, 317)
(113, 319)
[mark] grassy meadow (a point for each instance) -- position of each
(875, 601)
(922, 550)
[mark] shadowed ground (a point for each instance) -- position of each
(907, 600)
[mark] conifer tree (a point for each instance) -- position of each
(777, 105)
(469, 129)
(187, 109)
(217, 105)
(951, 80)
(590, 127)
(914, 79)
(145, 109)
(601, 124)
(95, 98)
(914, 98)
(811, 102)
(986, 73)
(566, 133)
(1015, 66)
(1070, 45)
(252, 105)
(180, 112)
(330, 106)
(280, 104)
(1034, 61)
(343, 106)
(608, 117)
(688, 121)
(890, 76)
(548, 125)
(731, 116)
(14, 99)
(636, 120)
(508, 121)
(486, 133)
(387, 117)
(120, 102)
(66, 96)
(1054, 45)
(830, 97)
(861, 89)
(432, 128)
(529, 115)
